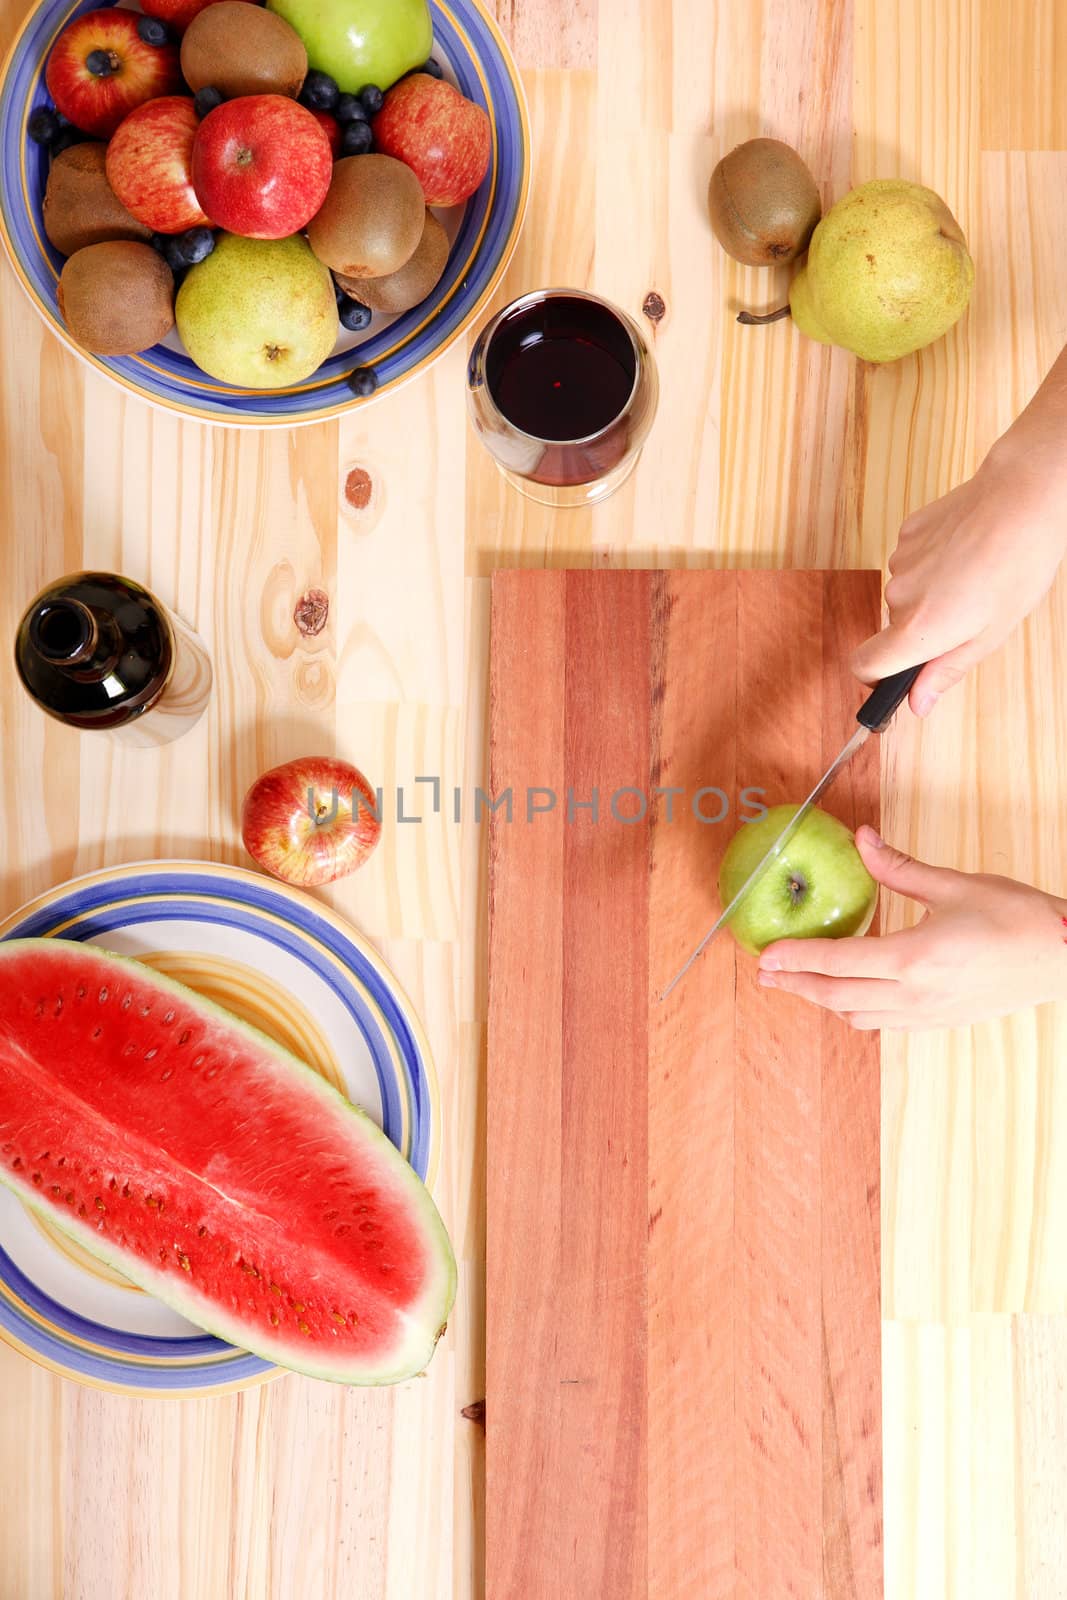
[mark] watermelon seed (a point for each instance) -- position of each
(17, 1163)
(162, 1253)
(212, 1072)
(298, 1306)
(128, 1048)
(183, 1261)
(127, 1000)
(329, 1216)
(303, 1327)
(69, 1197)
(368, 1227)
(38, 1009)
(100, 1206)
(274, 1319)
(58, 1006)
(112, 1183)
(150, 1054)
(337, 1317)
(81, 1210)
(198, 1061)
(153, 1201)
(340, 1232)
(168, 1072)
(61, 1161)
(102, 996)
(201, 1232)
(353, 1319)
(96, 1033)
(168, 1018)
(80, 991)
(183, 1038)
(274, 1289)
(53, 1188)
(37, 1177)
(146, 1008)
(246, 1266)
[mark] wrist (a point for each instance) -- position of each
(1030, 467)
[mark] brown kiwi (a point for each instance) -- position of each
(410, 283)
(372, 218)
(117, 298)
(763, 203)
(80, 207)
(242, 49)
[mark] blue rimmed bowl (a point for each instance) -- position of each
(484, 232)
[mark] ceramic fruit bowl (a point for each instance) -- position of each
(482, 232)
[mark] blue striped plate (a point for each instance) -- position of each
(282, 962)
(484, 232)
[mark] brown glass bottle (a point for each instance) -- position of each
(95, 650)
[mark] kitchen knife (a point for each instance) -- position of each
(873, 716)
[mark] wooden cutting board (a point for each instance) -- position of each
(683, 1340)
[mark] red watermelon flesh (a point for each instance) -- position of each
(213, 1168)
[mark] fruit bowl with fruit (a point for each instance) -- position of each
(261, 214)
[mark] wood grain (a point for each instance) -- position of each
(767, 453)
(717, 1434)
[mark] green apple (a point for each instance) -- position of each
(817, 888)
(361, 42)
(259, 313)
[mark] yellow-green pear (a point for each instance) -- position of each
(888, 272)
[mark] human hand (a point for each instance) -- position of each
(967, 569)
(986, 946)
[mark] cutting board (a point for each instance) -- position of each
(683, 1332)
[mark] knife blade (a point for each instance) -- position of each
(873, 716)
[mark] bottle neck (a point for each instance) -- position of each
(64, 632)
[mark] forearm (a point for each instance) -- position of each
(1035, 446)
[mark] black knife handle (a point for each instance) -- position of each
(885, 698)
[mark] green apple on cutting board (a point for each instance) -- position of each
(818, 887)
(361, 42)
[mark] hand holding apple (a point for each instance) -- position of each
(311, 820)
(442, 136)
(987, 946)
(818, 884)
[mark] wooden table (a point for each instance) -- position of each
(768, 451)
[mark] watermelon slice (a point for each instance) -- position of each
(213, 1168)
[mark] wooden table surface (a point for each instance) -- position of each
(768, 451)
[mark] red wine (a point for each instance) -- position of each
(95, 650)
(562, 369)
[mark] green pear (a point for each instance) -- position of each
(888, 272)
(258, 313)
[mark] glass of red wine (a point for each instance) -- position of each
(562, 390)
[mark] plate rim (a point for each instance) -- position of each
(222, 872)
(338, 408)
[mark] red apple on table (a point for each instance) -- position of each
(177, 13)
(311, 820)
(261, 166)
(125, 73)
(149, 165)
(445, 138)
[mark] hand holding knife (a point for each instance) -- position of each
(873, 716)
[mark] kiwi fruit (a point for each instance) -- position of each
(80, 207)
(372, 218)
(410, 283)
(117, 297)
(763, 203)
(241, 49)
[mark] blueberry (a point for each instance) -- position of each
(349, 108)
(196, 244)
(174, 254)
(356, 139)
(152, 31)
(320, 92)
(363, 381)
(372, 99)
(102, 63)
(43, 125)
(205, 100)
(65, 138)
(432, 68)
(354, 316)
(159, 243)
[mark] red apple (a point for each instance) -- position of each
(445, 138)
(332, 129)
(129, 72)
(148, 165)
(261, 166)
(178, 13)
(311, 820)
